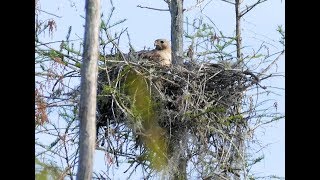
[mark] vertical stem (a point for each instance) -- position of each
(176, 10)
(178, 153)
(181, 174)
(89, 72)
(238, 33)
(239, 141)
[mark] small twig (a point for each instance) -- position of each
(52, 42)
(156, 9)
(248, 8)
(196, 5)
(48, 13)
(228, 2)
(272, 63)
(122, 55)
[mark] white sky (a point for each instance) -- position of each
(146, 25)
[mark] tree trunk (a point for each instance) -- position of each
(238, 140)
(182, 170)
(176, 10)
(178, 153)
(89, 72)
(239, 62)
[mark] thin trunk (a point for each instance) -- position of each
(179, 154)
(238, 32)
(89, 72)
(239, 141)
(182, 170)
(176, 10)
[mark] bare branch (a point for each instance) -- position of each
(52, 42)
(271, 64)
(196, 5)
(228, 2)
(248, 8)
(156, 9)
(48, 13)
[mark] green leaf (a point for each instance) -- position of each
(257, 56)
(107, 89)
(220, 48)
(78, 65)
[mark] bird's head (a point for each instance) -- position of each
(161, 44)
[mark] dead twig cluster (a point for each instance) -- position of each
(198, 98)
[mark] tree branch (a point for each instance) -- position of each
(228, 2)
(248, 8)
(48, 13)
(271, 64)
(156, 9)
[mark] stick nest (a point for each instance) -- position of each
(202, 99)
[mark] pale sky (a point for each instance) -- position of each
(146, 25)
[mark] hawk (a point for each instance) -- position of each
(161, 53)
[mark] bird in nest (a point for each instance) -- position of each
(161, 54)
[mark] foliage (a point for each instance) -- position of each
(46, 171)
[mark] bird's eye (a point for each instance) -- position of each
(161, 42)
